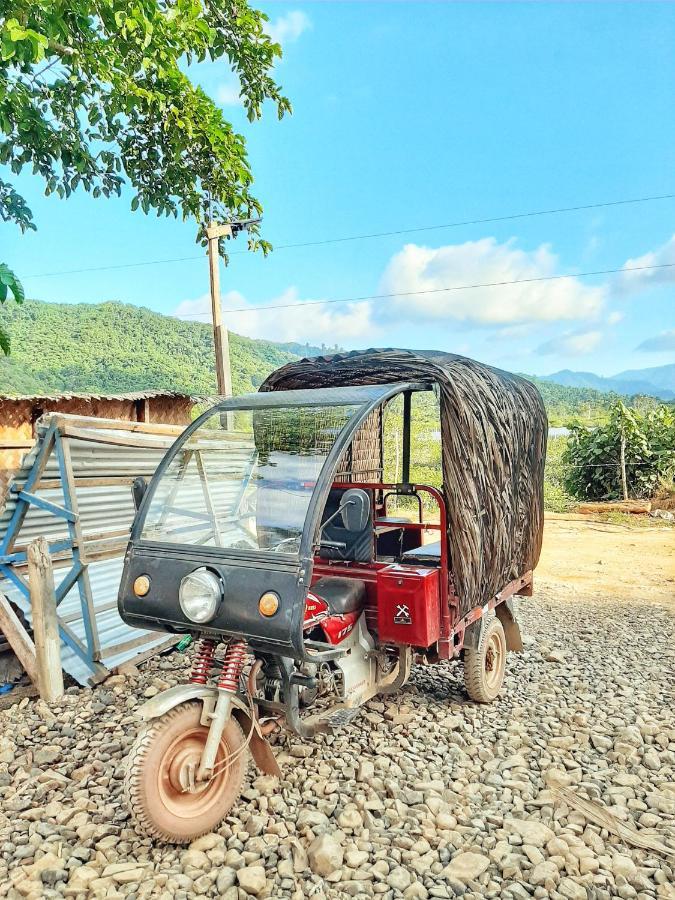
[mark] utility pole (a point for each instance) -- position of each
(221, 340)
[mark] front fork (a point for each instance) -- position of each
(228, 684)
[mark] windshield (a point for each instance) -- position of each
(244, 479)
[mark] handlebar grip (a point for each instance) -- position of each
(335, 545)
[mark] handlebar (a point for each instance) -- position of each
(334, 545)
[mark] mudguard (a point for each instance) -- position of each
(507, 616)
(260, 749)
(166, 700)
(505, 612)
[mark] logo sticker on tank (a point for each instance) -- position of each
(402, 615)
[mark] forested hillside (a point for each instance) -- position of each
(573, 404)
(114, 347)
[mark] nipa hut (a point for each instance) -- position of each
(19, 415)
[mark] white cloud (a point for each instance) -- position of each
(344, 322)
(227, 94)
(614, 317)
(572, 343)
(420, 269)
(288, 28)
(632, 282)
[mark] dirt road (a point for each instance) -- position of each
(610, 561)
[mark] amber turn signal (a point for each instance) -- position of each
(268, 603)
(141, 586)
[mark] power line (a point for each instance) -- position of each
(486, 221)
(136, 265)
(454, 287)
(371, 235)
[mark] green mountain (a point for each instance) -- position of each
(657, 382)
(565, 404)
(115, 347)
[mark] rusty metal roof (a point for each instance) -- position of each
(72, 395)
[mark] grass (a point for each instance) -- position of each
(630, 520)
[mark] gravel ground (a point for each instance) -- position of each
(425, 796)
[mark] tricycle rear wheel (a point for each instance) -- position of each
(484, 667)
(161, 792)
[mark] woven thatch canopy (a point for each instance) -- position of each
(493, 427)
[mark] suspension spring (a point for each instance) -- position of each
(203, 661)
(233, 663)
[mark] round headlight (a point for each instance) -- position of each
(199, 595)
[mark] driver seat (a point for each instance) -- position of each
(360, 545)
(343, 595)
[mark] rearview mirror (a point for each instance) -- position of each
(138, 489)
(355, 509)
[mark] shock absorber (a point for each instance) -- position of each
(203, 661)
(228, 683)
(233, 664)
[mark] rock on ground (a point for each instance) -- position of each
(424, 795)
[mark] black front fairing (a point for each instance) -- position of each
(244, 581)
(196, 537)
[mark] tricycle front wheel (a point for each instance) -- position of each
(163, 796)
(484, 667)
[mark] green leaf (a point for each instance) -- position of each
(17, 290)
(5, 343)
(122, 108)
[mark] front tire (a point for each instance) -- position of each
(485, 666)
(157, 776)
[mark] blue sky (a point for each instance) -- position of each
(414, 114)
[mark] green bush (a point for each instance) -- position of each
(592, 458)
(556, 496)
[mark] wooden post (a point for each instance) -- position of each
(19, 639)
(624, 480)
(45, 622)
(221, 340)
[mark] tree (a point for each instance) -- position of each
(8, 282)
(594, 455)
(94, 94)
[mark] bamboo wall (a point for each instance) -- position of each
(18, 418)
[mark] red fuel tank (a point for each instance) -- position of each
(408, 605)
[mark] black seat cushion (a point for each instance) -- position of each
(359, 544)
(426, 555)
(343, 595)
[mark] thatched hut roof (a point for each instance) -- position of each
(493, 427)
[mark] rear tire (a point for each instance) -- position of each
(485, 666)
(157, 767)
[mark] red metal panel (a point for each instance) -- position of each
(408, 606)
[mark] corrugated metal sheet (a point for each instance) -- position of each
(106, 512)
(105, 578)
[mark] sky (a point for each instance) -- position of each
(410, 115)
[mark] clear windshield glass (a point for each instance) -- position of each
(244, 479)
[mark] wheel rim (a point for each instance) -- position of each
(494, 658)
(177, 771)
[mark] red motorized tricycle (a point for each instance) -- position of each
(270, 534)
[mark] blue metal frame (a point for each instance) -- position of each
(53, 443)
